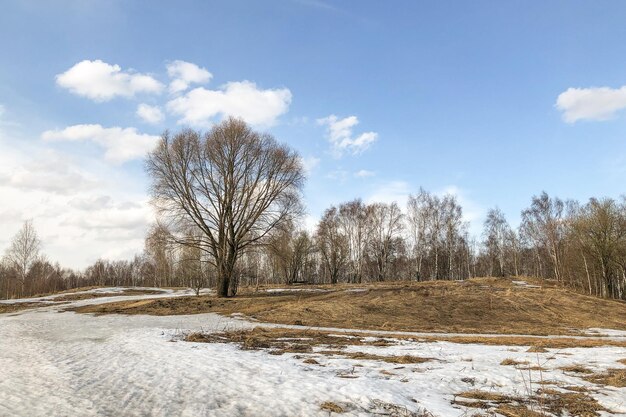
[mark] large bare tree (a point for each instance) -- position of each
(232, 184)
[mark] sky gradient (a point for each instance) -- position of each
(492, 101)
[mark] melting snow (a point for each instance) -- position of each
(55, 363)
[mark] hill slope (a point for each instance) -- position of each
(482, 305)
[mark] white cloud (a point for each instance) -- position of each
(591, 103)
(339, 175)
(391, 191)
(310, 163)
(78, 207)
(47, 171)
(472, 212)
(100, 81)
(239, 99)
(150, 114)
(185, 73)
(364, 173)
(120, 144)
(340, 136)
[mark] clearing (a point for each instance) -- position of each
(482, 305)
(56, 362)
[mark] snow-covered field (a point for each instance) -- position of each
(55, 363)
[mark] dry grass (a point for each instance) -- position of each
(492, 397)
(280, 341)
(331, 407)
(546, 343)
(12, 308)
(622, 361)
(612, 377)
(508, 410)
(574, 403)
(485, 305)
(578, 369)
(70, 291)
(537, 405)
(513, 362)
(90, 295)
(537, 349)
(403, 359)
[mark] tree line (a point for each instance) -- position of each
(228, 205)
(582, 246)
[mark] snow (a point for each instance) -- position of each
(607, 332)
(55, 363)
(525, 284)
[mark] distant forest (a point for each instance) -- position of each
(582, 246)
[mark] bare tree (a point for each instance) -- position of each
(417, 219)
(160, 253)
(543, 223)
(234, 184)
(386, 227)
(24, 252)
(496, 234)
(600, 228)
(332, 244)
(289, 249)
(352, 221)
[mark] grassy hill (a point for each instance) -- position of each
(481, 305)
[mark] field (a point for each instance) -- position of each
(483, 347)
(483, 305)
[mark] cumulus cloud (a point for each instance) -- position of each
(48, 171)
(150, 114)
(310, 163)
(591, 103)
(100, 81)
(78, 207)
(340, 135)
(339, 175)
(243, 99)
(185, 73)
(120, 144)
(364, 173)
(391, 191)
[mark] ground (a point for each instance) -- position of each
(56, 362)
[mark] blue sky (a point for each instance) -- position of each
(493, 101)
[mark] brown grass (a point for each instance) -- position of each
(485, 305)
(612, 377)
(537, 349)
(331, 407)
(71, 290)
(279, 341)
(12, 308)
(512, 362)
(508, 410)
(404, 359)
(493, 397)
(90, 295)
(546, 343)
(574, 403)
(578, 369)
(546, 400)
